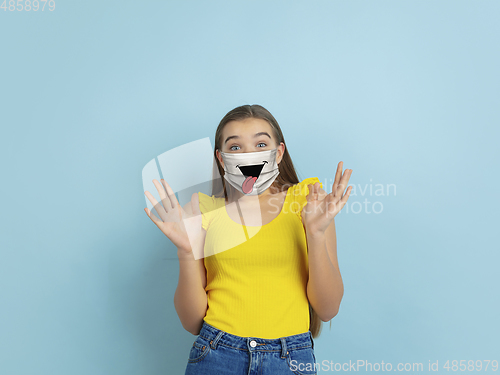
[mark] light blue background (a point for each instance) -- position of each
(404, 92)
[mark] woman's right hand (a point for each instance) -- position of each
(181, 226)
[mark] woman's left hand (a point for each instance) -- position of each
(321, 208)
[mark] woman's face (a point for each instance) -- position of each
(249, 135)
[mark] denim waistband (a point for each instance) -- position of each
(216, 336)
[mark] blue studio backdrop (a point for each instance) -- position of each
(405, 93)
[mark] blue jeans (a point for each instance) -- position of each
(216, 352)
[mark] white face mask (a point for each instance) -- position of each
(250, 172)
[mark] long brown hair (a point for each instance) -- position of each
(286, 177)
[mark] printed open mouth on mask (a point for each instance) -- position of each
(251, 173)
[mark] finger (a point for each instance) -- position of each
(312, 191)
(316, 190)
(157, 206)
(167, 205)
(171, 195)
(348, 192)
(343, 182)
(309, 193)
(338, 175)
(152, 216)
(344, 199)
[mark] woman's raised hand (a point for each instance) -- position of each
(321, 208)
(181, 226)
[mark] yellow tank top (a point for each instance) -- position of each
(257, 276)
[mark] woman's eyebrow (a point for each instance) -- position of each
(256, 135)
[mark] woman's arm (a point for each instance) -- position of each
(190, 298)
(325, 288)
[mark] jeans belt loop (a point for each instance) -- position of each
(284, 351)
(213, 343)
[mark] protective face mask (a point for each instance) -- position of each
(250, 172)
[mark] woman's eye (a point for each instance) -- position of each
(235, 149)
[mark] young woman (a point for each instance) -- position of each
(258, 260)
